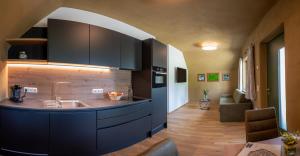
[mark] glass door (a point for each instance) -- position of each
(282, 93)
(276, 78)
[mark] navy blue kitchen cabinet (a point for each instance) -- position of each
(114, 138)
(68, 42)
(159, 112)
(73, 133)
(154, 55)
(24, 131)
(159, 52)
(131, 53)
(82, 132)
(121, 115)
(79, 43)
(104, 47)
(123, 126)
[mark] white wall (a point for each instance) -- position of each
(177, 92)
(76, 15)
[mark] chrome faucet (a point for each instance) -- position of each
(54, 90)
(58, 101)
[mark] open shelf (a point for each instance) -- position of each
(26, 61)
(27, 41)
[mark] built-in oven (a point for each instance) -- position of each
(159, 77)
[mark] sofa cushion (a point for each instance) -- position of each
(226, 100)
(238, 96)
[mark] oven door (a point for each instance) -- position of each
(159, 79)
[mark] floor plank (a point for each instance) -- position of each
(196, 132)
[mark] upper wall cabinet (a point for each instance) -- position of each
(159, 54)
(104, 47)
(131, 53)
(78, 43)
(68, 42)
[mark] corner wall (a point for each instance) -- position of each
(219, 61)
(286, 13)
(177, 92)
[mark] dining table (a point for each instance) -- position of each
(235, 149)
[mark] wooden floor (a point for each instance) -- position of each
(196, 132)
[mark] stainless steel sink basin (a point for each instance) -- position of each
(64, 104)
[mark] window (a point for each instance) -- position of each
(282, 93)
(242, 74)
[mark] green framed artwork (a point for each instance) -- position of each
(212, 76)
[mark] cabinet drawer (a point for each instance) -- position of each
(111, 113)
(114, 138)
(109, 122)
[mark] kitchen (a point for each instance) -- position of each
(65, 82)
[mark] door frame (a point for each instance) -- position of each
(263, 50)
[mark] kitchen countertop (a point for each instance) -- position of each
(97, 104)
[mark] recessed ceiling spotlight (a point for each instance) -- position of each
(209, 46)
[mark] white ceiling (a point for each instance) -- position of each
(82, 16)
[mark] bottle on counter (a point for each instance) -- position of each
(130, 92)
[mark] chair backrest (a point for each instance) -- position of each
(164, 148)
(261, 124)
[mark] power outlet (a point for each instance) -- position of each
(31, 89)
(97, 91)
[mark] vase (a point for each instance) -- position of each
(22, 55)
(205, 97)
(290, 150)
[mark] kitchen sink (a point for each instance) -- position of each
(64, 104)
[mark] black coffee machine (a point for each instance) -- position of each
(16, 92)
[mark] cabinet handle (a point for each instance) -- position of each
(162, 73)
(23, 153)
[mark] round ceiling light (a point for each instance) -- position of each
(209, 46)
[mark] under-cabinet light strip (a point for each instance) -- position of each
(62, 66)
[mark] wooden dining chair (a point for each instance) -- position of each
(261, 124)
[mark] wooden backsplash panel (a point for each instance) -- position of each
(69, 83)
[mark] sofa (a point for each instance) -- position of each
(232, 107)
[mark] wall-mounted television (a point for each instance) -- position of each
(180, 75)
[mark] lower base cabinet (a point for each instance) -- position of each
(73, 133)
(76, 133)
(160, 109)
(24, 131)
(117, 137)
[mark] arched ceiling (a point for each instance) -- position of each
(181, 23)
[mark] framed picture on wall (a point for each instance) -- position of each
(211, 77)
(226, 77)
(201, 77)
